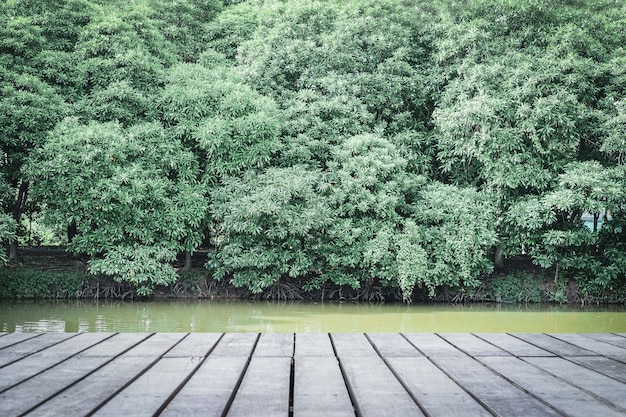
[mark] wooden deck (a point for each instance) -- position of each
(276, 374)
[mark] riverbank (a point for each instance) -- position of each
(53, 273)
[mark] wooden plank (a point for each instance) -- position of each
(586, 379)
(392, 344)
(92, 391)
(567, 399)
(236, 344)
(606, 366)
(275, 345)
(209, 390)
(32, 365)
(612, 339)
(264, 391)
(38, 389)
(491, 389)
(34, 345)
(319, 388)
(10, 339)
(433, 345)
(150, 392)
(551, 344)
(601, 348)
(374, 389)
(194, 345)
(313, 344)
(472, 345)
(513, 345)
(435, 391)
(352, 344)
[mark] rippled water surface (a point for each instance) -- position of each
(248, 316)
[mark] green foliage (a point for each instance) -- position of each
(352, 143)
(33, 283)
(37, 233)
(122, 188)
(7, 233)
(269, 226)
(517, 287)
(228, 125)
(184, 23)
(368, 192)
(143, 266)
(456, 229)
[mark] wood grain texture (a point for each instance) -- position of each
(312, 375)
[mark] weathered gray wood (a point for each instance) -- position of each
(554, 345)
(146, 395)
(194, 345)
(319, 388)
(21, 350)
(32, 365)
(583, 378)
(435, 391)
(209, 390)
(491, 389)
(36, 390)
(375, 391)
(313, 344)
(593, 345)
(236, 344)
(569, 400)
(433, 345)
(264, 391)
(472, 345)
(208, 374)
(155, 387)
(612, 339)
(275, 345)
(352, 344)
(607, 366)
(513, 345)
(392, 344)
(90, 392)
(9, 339)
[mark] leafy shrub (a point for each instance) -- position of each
(514, 287)
(32, 283)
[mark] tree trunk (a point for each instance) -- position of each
(187, 266)
(72, 230)
(17, 209)
(499, 257)
(13, 251)
(556, 273)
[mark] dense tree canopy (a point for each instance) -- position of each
(368, 144)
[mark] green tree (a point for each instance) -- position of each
(270, 227)
(455, 227)
(228, 126)
(132, 193)
(369, 193)
(185, 24)
(340, 70)
(214, 113)
(558, 238)
(121, 59)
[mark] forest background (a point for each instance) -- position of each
(391, 148)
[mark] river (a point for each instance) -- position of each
(251, 316)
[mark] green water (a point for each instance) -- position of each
(243, 316)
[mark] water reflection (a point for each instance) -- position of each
(249, 316)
